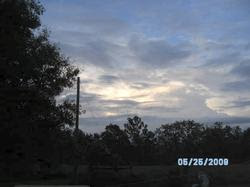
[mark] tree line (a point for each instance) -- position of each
(135, 143)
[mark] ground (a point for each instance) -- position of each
(147, 176)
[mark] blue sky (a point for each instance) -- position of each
(162, 60)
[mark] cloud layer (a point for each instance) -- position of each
(164, 59)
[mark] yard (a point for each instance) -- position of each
(157, 176)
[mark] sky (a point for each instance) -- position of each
(162, 60)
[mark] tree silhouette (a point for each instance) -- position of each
(142, 140)
(116, 140)
(33, 72)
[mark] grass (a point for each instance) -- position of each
(157, 176)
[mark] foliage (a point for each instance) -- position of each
(136, 144)
(33, 72)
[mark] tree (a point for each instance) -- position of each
(181, 138)
(246, 144)
(141, 139)
(33, 73)
(223, 140)
(134, 128)
(116, 140)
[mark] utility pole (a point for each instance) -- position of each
(76, 143)
(77, 104)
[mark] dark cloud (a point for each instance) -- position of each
(237, 86)
(125, 102)
(140, 85)
(97, 53)
(71, 37)
(243, 69)
(103, 25)
(86, 81)
(157, 53)
(83, 97)
(241, 103)
(103, 53)
(161, 109)
(212, 45)
(223, 59)
(89, 96)
(95, 98)
(118, 106)
(98, 106)
(108, 79)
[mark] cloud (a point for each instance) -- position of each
(98, 53)
(141, 85)
(108, 79)
(71, 96)
(161, 109)
(237, 86)
(125, 102)
(131, 52)
(241, 103)
(242, 69)
(157, 53)
(158, 60)
(224, 59)
(230, 105)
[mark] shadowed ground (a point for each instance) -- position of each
(157, 176)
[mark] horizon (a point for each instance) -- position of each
(98, 124)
